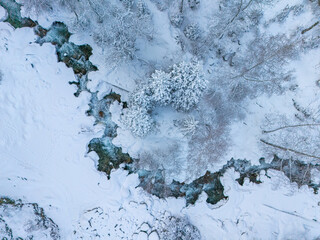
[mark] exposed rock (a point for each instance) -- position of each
(25, 221)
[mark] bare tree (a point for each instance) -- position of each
(296, 138)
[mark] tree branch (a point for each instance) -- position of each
(256, 65)
(249, 3)
(289, 149)
(290, 126)
(234, 17)
(309, 28)
(290, 213)
(266, 59)
(118, 87)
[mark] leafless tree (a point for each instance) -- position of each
(294, 138)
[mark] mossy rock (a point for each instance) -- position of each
(110, 156)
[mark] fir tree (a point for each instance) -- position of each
(188, 84)
(160, 85)
(182, 88)
(138, 121)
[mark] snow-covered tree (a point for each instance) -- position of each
(188, 85)
(137, 117)
(189, 126)
(176, 19)
(193, 3)
(127, 3)
(118, 28)
(192, 31)
(143, 10)
(115, 25)
(182, 88)
(293, 136)
(142, 97)
(160, 85)
(138, 121)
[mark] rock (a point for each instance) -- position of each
(25, 221)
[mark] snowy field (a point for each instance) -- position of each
(44, 140)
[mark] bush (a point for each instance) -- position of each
(176, 19)
(193, 3)
(192, 32)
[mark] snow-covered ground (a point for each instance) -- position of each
(44, 135)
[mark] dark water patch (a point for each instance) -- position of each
(154, 183)
(110, 156)
(74, 56)
(99, 109)
(14, 15)
(57, 34)
(297, 172)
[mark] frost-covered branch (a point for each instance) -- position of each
(292, 126)
(289, 149)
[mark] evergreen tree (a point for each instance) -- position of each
(138, 121)
(182, 88)
(160, 85)
(188, 84)
(142, 97)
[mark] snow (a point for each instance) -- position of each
(43, 130)
(153, 236)
(164, 48)
(3, 13)
(45, 133)
(44, 136)
(275, 209)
